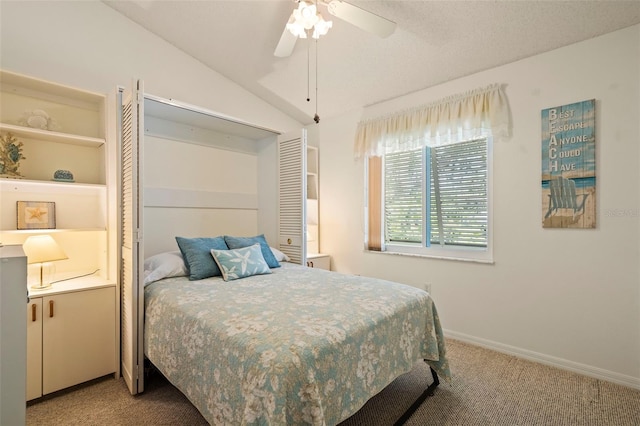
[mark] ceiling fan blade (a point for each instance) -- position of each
(361, 18)
(286, 44)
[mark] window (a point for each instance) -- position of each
(435, 200)
(429, 175)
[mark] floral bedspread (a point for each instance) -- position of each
(298, 346)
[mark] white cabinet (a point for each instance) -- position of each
(78, 342)
(13, 302)
(318, 260)
(71, 334)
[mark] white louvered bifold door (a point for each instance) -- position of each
(292, 195)
(132, 297)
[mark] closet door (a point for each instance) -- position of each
(292, 193)
(132, 303)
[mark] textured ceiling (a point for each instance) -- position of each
(435, 41)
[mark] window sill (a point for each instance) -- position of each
(434, 256)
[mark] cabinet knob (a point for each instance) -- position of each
(34, 311)
(50, 308)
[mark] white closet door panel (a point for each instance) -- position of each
(292, 196)
(132, 296)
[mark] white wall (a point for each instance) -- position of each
(566, 297)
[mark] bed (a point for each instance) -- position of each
(293, 346)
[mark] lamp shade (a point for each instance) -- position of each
(42, 248)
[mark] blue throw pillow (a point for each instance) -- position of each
(197, 256)
(240, 263)
(240, 242)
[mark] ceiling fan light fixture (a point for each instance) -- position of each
(306, 17)
(295, 27)
(321, 27)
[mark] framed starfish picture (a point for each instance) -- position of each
(36, 215)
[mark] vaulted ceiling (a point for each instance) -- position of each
(434, 42)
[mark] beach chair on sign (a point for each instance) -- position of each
(563, 196)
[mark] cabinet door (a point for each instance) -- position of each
(78, 337)
(292, 196)
(34, 349)
(319, 262)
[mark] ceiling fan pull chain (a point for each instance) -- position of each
(308, 69)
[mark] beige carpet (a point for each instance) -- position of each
(488, 388)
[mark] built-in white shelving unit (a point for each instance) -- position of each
(315, 259)
(312, 200)
(74, 138)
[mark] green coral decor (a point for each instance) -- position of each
(10, 156)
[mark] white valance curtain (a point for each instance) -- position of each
(472, 115)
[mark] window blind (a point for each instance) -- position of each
(455, 211)
(403, 185)
(458, 194)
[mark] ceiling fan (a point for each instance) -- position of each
(354, 15)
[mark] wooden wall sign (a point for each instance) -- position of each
(569, 166)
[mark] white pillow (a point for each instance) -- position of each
(164, 265)
(280, 256)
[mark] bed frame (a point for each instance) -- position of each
(149, 368)
(418, 402)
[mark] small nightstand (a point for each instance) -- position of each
(319, 260)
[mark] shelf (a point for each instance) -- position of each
(27, 185)
(34, 87)
(71, 282)
(50, 136)
(312, 186)
(77, 205)
(49, 231)
(312, 159)
(190, 116)
(78, 114)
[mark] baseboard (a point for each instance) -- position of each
(575, 367)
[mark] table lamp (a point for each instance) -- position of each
(42, 249)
